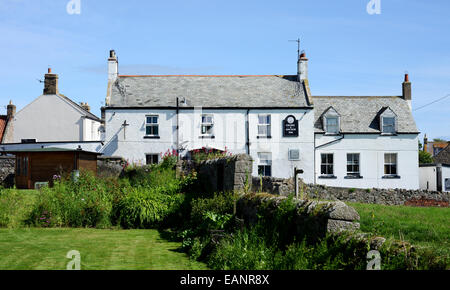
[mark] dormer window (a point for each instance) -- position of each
(388, 122)
(332, 125)
(389, 125)
(331, 122)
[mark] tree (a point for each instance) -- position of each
(439, 140)
(424, 157)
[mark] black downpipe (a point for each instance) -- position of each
(247, 132)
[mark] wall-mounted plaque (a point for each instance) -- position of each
(290, 127)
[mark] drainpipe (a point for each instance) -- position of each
(247, 132)
(178, 129)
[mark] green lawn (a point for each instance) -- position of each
(46, 249)
(421, 226)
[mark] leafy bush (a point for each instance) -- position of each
(146, 208)
(219, 203)
(86, 202)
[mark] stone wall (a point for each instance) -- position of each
(110, 166)
(285, 187)
(222, 174)
(315, 218)
(7, 168)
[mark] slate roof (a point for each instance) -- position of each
(209, 91)
(87, 113)
(443, 156)
(361, 114)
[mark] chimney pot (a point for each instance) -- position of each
(406, 78)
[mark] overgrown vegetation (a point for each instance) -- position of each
(152, 197)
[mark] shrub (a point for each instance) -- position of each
(220, 203)
(146, 208)
(86, 202)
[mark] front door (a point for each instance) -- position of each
(23, 174)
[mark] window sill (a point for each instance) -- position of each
(332, 134)
(152, 137)
(353, 177)
(263, 137)
(391, 177)
(207, 137)
(327, 177)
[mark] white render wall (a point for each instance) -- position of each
(229, 132)
(371, 148)
(427, 178)
(445, 175)
(51, 118)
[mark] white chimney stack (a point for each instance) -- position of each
(113, 66)
(302, 67)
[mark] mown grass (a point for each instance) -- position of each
(421, 226)
(46, 249)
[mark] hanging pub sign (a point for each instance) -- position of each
(290, 127)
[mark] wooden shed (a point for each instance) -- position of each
(41, 165)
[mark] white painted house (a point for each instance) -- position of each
(53, 118)
(148, 115)
(359, 142)
(52, 121)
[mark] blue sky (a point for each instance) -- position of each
(350, 52)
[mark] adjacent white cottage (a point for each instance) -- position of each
(52, 117)
(359, 142)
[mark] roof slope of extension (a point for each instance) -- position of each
(443, 156)
(85, 112)
(3, 121)
(209, 91)
(361, 114)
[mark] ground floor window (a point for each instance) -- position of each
(353, 164)
(265, 164)
(152, 159)
(327, 165)
(390, 164)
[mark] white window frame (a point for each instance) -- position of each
(352, 163)
(265, 161)
(390, 163)
(151, 124)
(327, 130)
(267, 125)
(326, 164)
(204, 124)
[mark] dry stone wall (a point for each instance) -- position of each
(7, 168)
(284, 187)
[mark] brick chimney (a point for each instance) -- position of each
(302, 67)
(10, 110)
(85, 106)
(425, 143)
(51, 83)
(407, 91)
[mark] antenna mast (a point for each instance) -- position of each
(298, 44)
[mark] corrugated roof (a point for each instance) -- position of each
(208, 91)
(361, 114)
